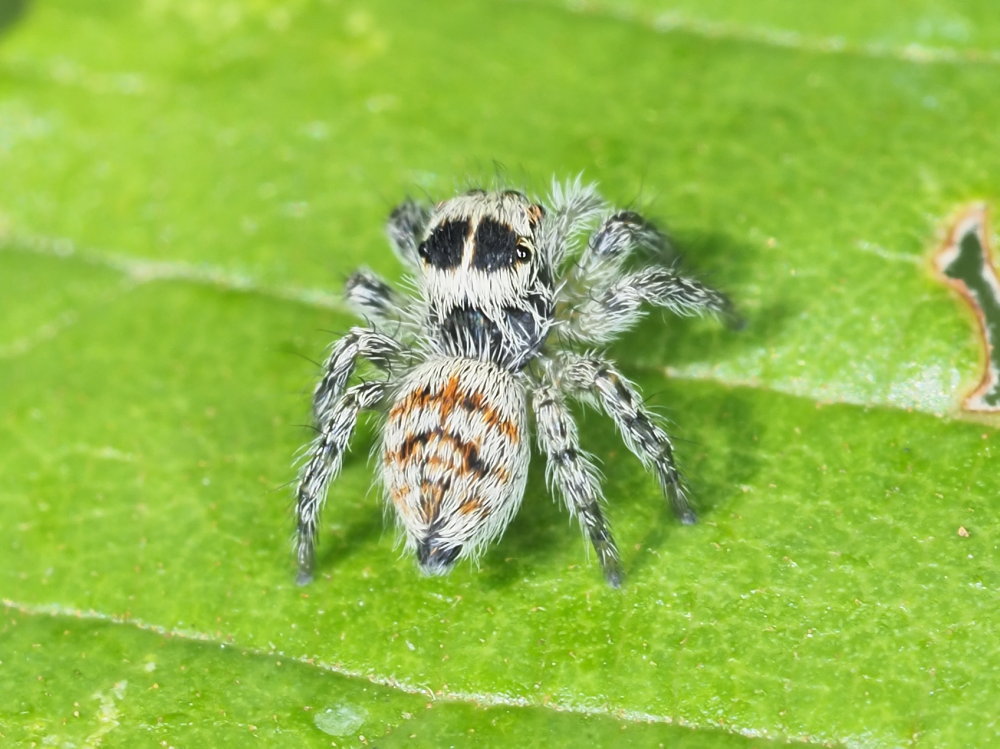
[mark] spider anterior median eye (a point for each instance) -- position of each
(522, 253)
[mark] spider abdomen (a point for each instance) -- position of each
(455, 457)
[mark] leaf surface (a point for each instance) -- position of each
(187, 184)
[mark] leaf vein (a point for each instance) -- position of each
(670, 22)
(478, 699)
(144, 270)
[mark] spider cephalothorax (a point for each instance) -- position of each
(467, 357)
(486, 293)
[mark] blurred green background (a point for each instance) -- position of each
(184, 186)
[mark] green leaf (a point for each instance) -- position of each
(185, 187)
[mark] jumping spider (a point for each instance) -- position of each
(499, 306)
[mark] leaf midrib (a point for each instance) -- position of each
(56, 611)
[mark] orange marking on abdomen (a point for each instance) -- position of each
(449, 397)
(399, 499)
(470, 505)
(431, 496)
(475, 403)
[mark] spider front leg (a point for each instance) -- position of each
(643, 436)
(607, 250)
(608, 312)
(406, 226)
(620, 234)
(336, 413)
(572, 205)
(375, 300)
(573, 472)
(604, 302)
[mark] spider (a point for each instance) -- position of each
(506, 308)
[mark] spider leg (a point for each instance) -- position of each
(607, 249)
(326, 454)
(378, 348)
(620, 234)
(642, 434)
(619, 305)
(405, 227)
(572, 205)
(375, 300)
(335, 412)
(573, 472)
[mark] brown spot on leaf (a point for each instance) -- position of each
(965, 262)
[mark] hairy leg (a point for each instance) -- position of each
(378, 348)
(335, 412)
(325, 457)
(572, 471)
(405, 227)
(620, 234)
(375, 300)
(572, 205)
(607, 249)
(616, 307)
(638, 427)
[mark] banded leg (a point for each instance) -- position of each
(377, 347)
(620, 234)
(573, 472)
(325, 457)
(618, 307)
(374, 299)
(643, 436)
(405, 228)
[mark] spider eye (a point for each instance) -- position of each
(497, 246)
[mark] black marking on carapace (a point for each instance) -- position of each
(496, 246)
(469, 331)
(446, 243)
(966, 264)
